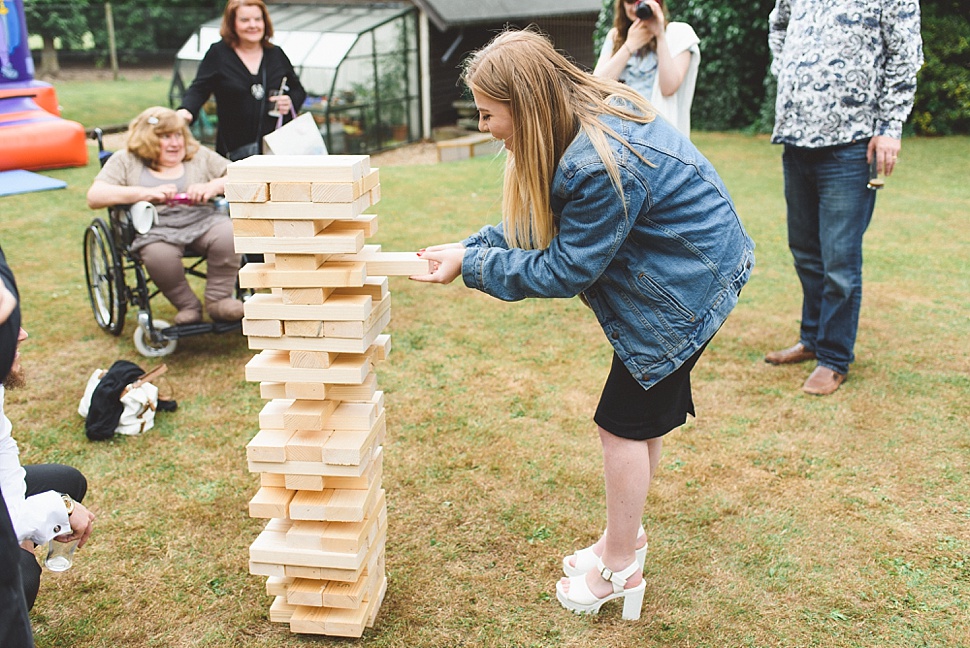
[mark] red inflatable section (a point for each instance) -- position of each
(32, 135)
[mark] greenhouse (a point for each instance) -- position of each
(358, 63)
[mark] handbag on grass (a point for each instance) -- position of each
(300, 136)
(121, 400)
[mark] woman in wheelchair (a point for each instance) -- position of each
(163, 164)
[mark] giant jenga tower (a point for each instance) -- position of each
(319, 332)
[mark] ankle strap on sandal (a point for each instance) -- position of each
(617, 578)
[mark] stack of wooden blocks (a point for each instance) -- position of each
(319, 332)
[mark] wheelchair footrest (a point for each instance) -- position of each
(198, 328)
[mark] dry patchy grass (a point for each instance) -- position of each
(777, 519)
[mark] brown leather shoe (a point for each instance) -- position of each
(791, 355)
(823, 381)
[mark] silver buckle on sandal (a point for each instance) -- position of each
(603, 574)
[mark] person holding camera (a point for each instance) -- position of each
(658, 59)
(164, 165)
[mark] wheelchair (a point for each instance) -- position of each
(117, 280)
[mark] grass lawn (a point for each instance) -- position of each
(777, 519)
(103, 103)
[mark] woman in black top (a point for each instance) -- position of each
(241, 70)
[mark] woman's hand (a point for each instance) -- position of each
(283, 103)
(203, 191)
(445, 261)
(160, 194)
(185, 114)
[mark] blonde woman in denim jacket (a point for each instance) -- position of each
(604, 201)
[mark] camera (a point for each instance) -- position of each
(643, 10)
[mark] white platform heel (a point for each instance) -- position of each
(582, 601)
(586, 559)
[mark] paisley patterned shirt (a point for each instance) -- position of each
(846, 69)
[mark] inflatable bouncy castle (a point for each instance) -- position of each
(32, 134)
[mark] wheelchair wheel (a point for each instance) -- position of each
(105, 278)
(154, 348)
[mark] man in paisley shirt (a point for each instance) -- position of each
(846, 72)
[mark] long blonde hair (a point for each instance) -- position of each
(550, 100)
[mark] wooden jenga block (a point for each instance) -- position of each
(376, 538)
(387, 263)
(268, 445)
(346, 537)
(293, 262)
(271, 366)
(338, 622)
(330, 344)
(333, 505)
(268, 569)
(309, 296)
(270, 547)
(271, 416)
(318, 482)
(382, 345)
(276, 585)
(274, 480)
(340, 242)
(299, 168)
(344, 192)
(357, 416)
(301, 210)
(347, 327)
(311, 359)
(286, 414)
(375, 195)
(351, 447)
(306, 391)
(269, 502)
(262, 328)
(304, 482)
(356, 308)
(281, 611)
(327, 471)
(289, 191)
(363, 391)
(377, 287)
(271, 390)
(350, 596)
(331, 274)
(306, 591)
(252, 227)
(299, 228)
(252, 192)
(370, 180)
(367, 223)
(309, 468)
(307, 445)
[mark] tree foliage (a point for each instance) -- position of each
(943, 90)
(52, 20)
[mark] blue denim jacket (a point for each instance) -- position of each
(661, 277)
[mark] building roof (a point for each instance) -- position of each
(456, 13)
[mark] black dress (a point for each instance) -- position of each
(241, 95)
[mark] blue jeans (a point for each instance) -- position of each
(829, 209)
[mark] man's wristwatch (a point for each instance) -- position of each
(69, 503)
